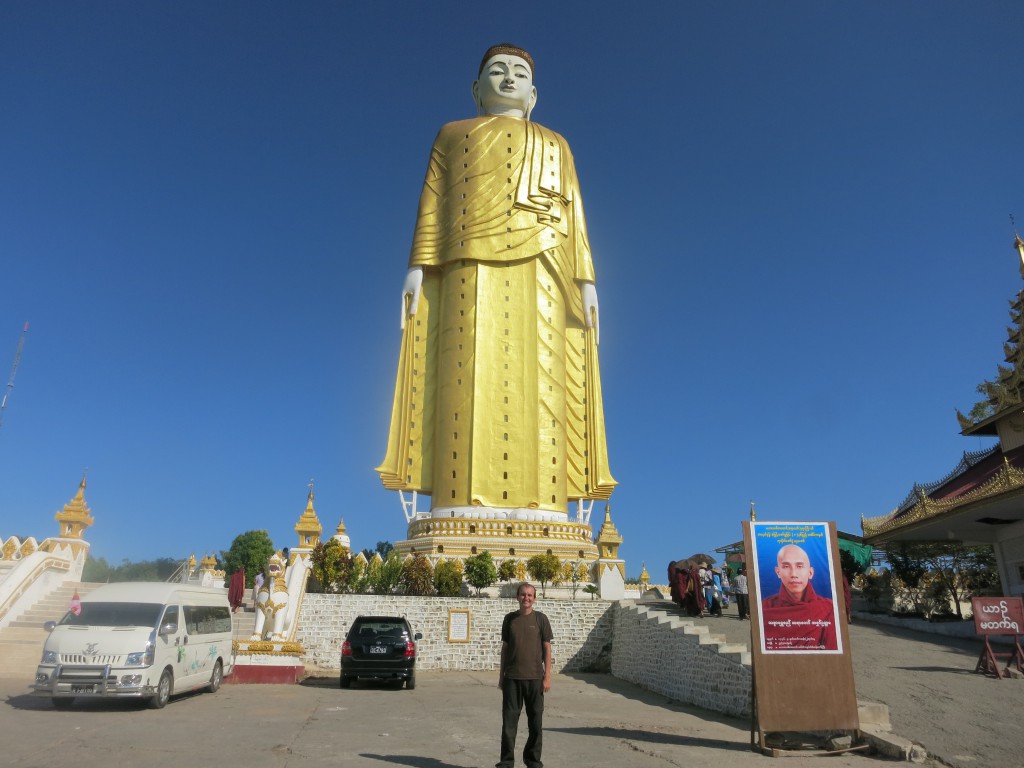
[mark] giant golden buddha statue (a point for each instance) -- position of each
(497, 412)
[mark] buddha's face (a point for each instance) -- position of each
(505, 86)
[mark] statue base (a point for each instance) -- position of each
(267, 661)
(461, 537)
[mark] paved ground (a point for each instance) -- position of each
(452, 720)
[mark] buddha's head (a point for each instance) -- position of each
(505, 82)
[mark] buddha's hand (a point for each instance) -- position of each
(411, 288)
(588, 292)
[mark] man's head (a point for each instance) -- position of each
(794, 570)
(526, 594)
(505, 82)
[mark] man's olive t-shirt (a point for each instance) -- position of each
(525, 635)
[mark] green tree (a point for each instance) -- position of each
(507, 570)
(544, 568)
(97, 569)
(941, 575)
(383, 548)
(250, 550)
(384, 578)
(592, 590)
(480, 571)
(573, 573)
(448, 578)
(332, 567)
(849, 565)
(417, 576)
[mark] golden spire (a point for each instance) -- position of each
(75, 517)
(341, 526)
(608, 538)
(308, 527)
(753, 514)
(645, 577)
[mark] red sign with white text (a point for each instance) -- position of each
(998, 615)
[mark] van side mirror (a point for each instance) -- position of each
(48, 626)
(418, 636)
(168, 629)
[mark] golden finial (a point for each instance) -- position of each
(1018, 243)
(753, 514)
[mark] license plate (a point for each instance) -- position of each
(378, 649)
(82, 689)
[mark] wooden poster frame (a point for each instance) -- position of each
(459, 638)
(799, 691)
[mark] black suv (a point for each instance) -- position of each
(379, 646)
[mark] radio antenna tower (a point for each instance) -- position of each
(14, 372)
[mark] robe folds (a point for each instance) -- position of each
(808, 624)
(498, 396)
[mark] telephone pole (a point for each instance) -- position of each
(14, 372)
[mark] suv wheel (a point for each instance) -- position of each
(345, 681)
(410, 681)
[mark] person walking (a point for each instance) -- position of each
(524, 677)
(742, 595)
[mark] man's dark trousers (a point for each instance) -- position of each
(514, 695)
(743, 603)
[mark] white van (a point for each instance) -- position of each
(143, 640)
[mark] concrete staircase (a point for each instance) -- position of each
(243, 622)
(21, 642)
(672, 619)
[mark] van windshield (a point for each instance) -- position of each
(114, 615)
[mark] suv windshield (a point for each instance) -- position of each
(114, 615)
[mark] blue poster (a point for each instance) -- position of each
(792, 564)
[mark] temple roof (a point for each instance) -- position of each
(982, 491)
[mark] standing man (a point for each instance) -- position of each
(742, 595)
(524, 677)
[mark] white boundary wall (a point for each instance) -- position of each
(582, 629)
(670, 657)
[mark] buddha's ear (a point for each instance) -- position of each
(533, 102)
(476, 98)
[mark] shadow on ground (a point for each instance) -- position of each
(411, 760)
(653, 737)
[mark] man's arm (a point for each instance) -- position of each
(501, 669)
(547, 666)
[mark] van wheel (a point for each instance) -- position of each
(345, 681)
(410, 682)
(163, 690)
(217, 677)
(63, 702)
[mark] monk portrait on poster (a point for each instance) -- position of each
(797, 618)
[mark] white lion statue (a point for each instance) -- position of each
(272, 603)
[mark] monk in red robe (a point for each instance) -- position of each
(797, 619)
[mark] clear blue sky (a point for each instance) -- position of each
(799, 213)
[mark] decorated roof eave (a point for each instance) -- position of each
(1005, 484)
(987, 427)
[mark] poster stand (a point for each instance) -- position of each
(799, 686)
(999, 616)
(988, 663)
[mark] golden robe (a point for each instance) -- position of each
(498, 396)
